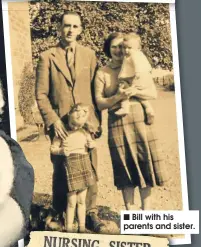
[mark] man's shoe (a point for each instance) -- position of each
(94, 223)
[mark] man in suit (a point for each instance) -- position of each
(65, 76)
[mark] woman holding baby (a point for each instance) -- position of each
(123, 87)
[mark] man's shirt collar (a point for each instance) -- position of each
(65, 47)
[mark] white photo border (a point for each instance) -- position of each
(134, 1)
(182, 157)
(187, 238)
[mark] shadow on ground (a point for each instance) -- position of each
(42, 206)
(30, 138)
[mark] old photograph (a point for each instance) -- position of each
(95, 97)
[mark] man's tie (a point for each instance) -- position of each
(70, 62)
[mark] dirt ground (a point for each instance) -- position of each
(163, 198)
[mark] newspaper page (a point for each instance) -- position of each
(95, 104)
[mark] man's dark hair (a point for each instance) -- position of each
(67, 12)
(107, 43)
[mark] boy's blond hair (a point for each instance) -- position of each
(130, 36)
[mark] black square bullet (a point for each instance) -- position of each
(126, 216)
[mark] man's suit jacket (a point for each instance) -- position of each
(55, 91)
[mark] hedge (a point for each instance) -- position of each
(150, 20)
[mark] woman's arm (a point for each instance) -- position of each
(102, 101)
(6, 171)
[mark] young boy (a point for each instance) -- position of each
(79, 170)
(135, 71)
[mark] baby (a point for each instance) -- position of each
(79, 170)
(135, 71)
